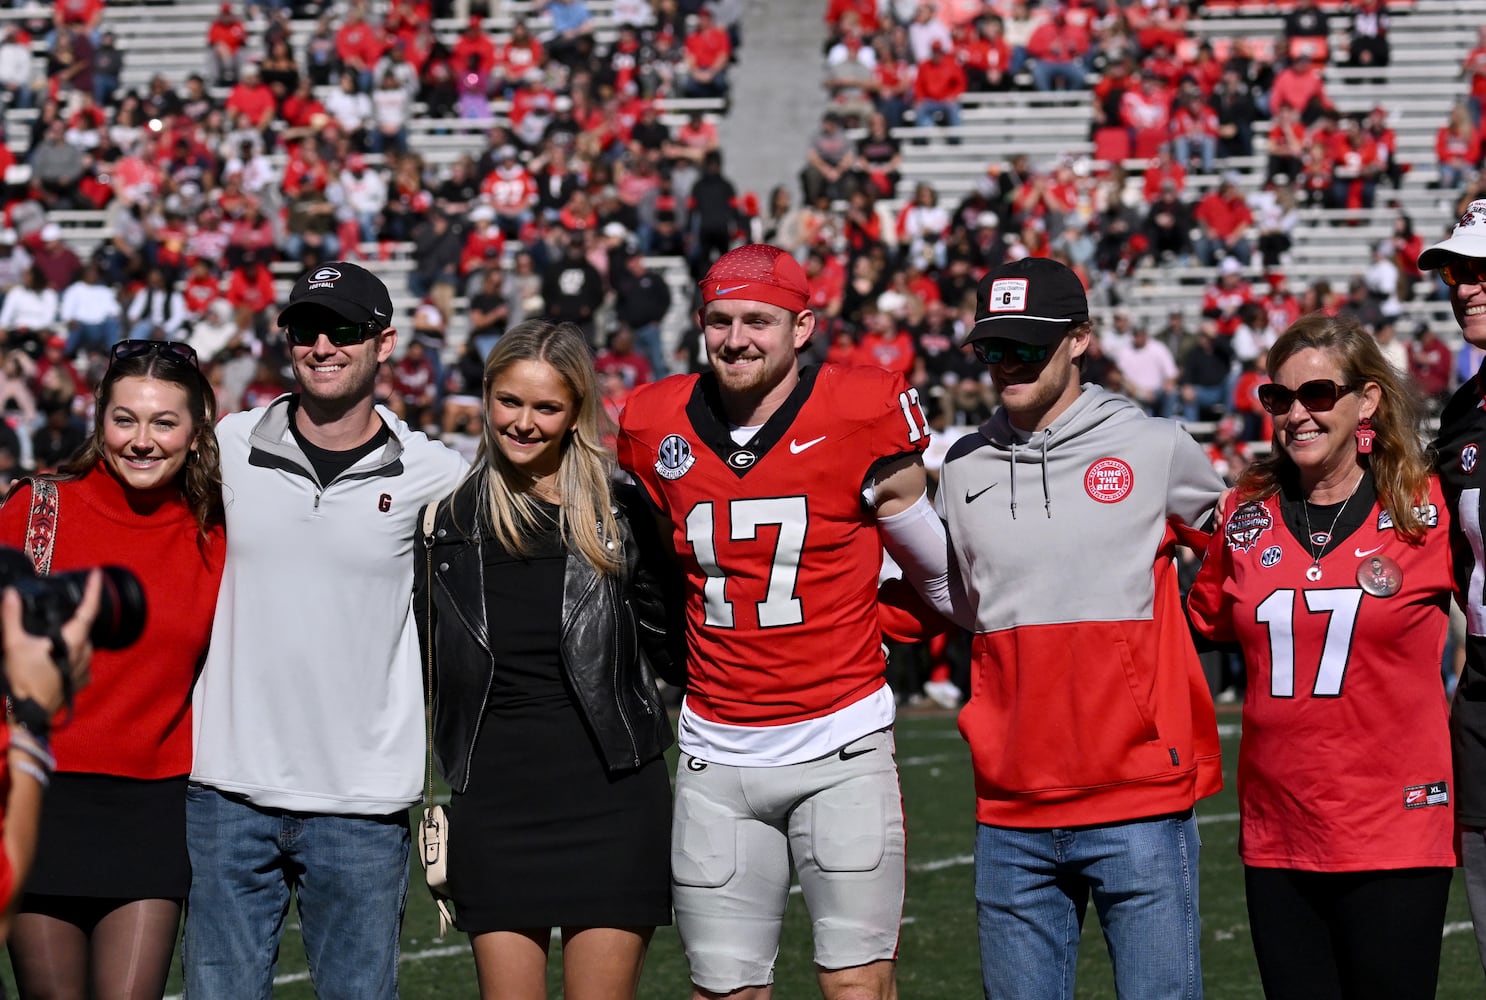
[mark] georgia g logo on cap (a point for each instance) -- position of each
(325, 274)
(1007, 295)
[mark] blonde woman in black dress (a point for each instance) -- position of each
(544, 618)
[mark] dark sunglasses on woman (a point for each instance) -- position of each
(169, 350)
(1317, 395)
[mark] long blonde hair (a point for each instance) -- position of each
(585, 517)
(1399, 462)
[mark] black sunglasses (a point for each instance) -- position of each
(1464, 271)
(343, 335)
(993, 352)
(1317, 395)
(170, 350)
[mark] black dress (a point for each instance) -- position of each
(544, 835)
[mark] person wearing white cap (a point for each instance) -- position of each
(1460, 262)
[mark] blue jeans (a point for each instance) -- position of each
(924, 112)
(1205, 397)
(647, 341)
(349, 872)
(1046, 73)
(1033, 886)
(97, 337)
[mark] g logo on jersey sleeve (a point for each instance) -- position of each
(674, 458)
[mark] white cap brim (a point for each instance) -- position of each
(1461, 244)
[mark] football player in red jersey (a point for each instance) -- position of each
(780, 490)
(1461, 264)
(1333, 574)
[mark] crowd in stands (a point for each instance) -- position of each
(1174, 181)
(289, 148)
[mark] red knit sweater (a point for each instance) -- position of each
(134, 717)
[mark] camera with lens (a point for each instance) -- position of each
(47, 602)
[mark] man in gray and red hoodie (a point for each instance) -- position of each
(1090, 724)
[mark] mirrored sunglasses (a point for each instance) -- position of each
(1464, 271)
(994, 352)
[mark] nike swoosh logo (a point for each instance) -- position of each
(849, 754)
(970, 497)
(1359, 553)
(795, 447)
(724, 291)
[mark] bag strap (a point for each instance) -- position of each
(41, 525)
(430, 513)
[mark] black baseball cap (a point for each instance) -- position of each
(1031, 301)
(348, 290)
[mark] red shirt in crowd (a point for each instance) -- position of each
(359, 43)
(1296, 88)
(254, 100)
(200, 291)
(892, 350)
(1159, 173)
(227, 32)
(709, 48)
(251, 288)
(515, 58)
(942, 78)
(1222, 302)
(1224, 215)
(1456, 150)
(1474, 66)
(480, 248)
(868, 20)
(474, 42)
(1058, 40)
(78, 11)
(510, 190)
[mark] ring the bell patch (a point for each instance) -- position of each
(1436, 793)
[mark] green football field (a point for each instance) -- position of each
(938, 959)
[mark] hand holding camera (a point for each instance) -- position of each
(31, 672)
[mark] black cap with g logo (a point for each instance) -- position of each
(348, 290)
(1031, 301)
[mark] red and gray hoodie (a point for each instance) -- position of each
(1087, 705)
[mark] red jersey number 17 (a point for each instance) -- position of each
(790, 515)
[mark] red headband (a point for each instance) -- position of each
(760, 273)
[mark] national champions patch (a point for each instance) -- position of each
(1007, 295)
(1246, 525)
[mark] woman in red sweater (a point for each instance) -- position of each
(102, 905)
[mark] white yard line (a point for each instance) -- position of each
(407, 956)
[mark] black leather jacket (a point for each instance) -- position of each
(617, 633)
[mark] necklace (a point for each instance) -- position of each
(1313, 571)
